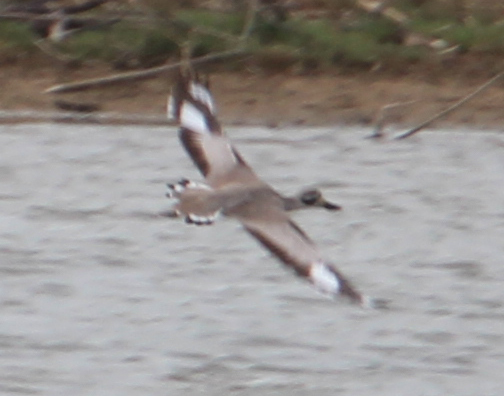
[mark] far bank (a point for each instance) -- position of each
(258, 97)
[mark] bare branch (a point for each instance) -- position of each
(451, 108)
(137, 75)
(382, 116)
(249, 21)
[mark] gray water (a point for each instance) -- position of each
(101, 296)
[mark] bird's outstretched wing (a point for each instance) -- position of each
(281, 236)
(192, 105)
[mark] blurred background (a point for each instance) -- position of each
(305, 35)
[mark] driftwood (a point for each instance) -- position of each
(238, 50)
(137, 75)
(380, 120)
(451, 108)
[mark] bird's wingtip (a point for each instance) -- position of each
(369, 302)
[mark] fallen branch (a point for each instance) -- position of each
(137, 75)
(382, 116)
(249, 21)
(451, 108)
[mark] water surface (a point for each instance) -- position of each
(101, 296)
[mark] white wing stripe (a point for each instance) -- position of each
(193, 119)
(201, 94)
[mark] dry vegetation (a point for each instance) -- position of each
(327, 61)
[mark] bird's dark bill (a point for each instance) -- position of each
(331, 206)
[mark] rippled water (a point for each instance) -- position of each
(100, 296)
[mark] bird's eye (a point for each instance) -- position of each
(310, 197)
(309, 200)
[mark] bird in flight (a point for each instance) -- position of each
(233, 189)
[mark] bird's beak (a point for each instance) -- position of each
(330, 206)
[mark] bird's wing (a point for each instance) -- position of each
(289, 243)
(192, 105)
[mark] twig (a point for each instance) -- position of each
(382, 115)
(451, 108)
(249, 21)
(133, 76)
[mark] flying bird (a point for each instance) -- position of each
(233, 189)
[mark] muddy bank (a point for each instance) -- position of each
(258, 98)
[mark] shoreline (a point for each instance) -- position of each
(275, 100)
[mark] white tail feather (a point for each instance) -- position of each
(199, 93)
(193, 119)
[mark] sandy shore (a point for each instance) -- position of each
(249, 98)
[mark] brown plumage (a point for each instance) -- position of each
(234, 190)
